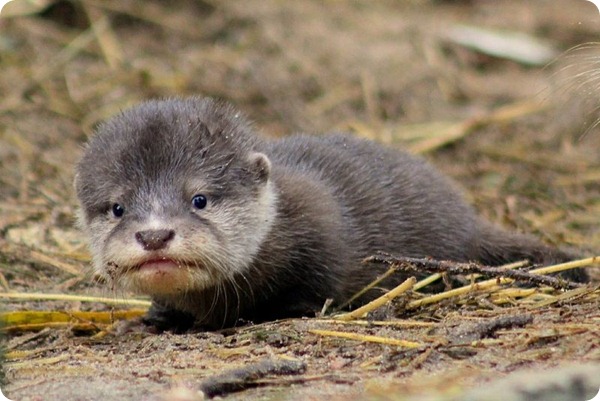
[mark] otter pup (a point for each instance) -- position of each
(182, 201)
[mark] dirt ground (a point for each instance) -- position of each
(518, 135)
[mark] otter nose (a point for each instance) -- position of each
(153, 240)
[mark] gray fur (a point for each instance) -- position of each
(338, 200)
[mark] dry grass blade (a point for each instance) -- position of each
(594, 260)
(366, 338)
(388, 323)
(107, 39)
(34, 320)
(382, 300)
(59, 264)
(426, 281)
(522, 292)
(591, 175)
(69, 52)
(545, 160)
(371, 285)
(37, 363)
(485, 285)
(495, 283)
(20, 296)
(578, 292)
(459, 130)
(158, 14)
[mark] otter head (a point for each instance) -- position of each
(174, 197)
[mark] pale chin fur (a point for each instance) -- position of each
(206, 261)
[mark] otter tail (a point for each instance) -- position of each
(496, 247)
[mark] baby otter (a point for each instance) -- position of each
(182, 201)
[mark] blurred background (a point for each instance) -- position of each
(489, 91)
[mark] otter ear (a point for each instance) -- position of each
(259, 166)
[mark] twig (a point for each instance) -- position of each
(469, 332)
(488, 284)
(436, 266)
(241, 378)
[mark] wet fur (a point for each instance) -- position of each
(291, 218)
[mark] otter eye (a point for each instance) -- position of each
(118, 210)
(199, 201)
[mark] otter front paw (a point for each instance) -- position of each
(163, 318)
